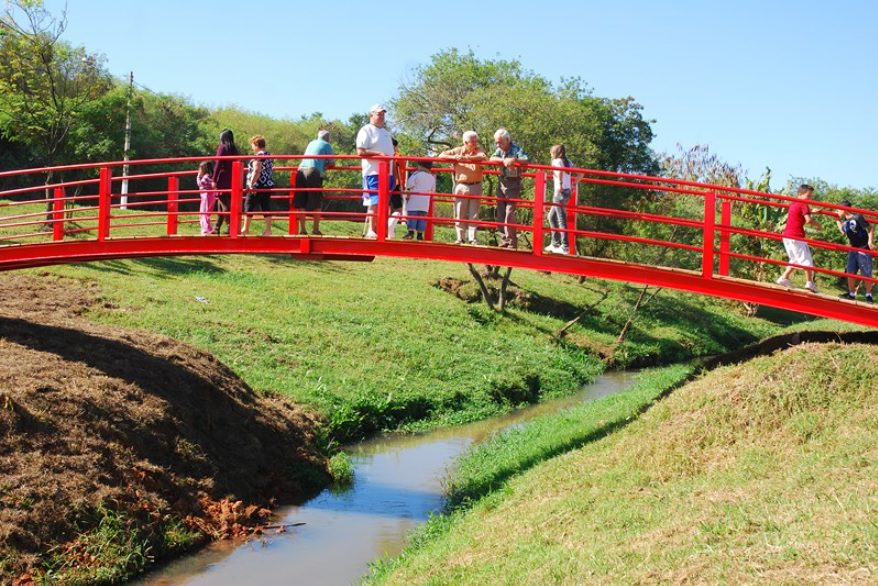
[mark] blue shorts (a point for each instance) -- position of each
(370, 189)
(414, 223)
(861, 261)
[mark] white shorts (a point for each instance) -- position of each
(799, 252)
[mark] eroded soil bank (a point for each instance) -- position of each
(119, 447)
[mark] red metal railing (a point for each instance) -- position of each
(697, 249)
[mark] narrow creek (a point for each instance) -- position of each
(397, 484)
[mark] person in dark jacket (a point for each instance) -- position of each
(222, 176)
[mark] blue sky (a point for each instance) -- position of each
(791, 85)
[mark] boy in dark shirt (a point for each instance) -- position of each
(859, 233)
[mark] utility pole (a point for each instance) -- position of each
(124, 199)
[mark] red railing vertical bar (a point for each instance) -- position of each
(571, 214)
(431, 211)
(105, 182)
(539, 211)
(173, 205)
(237, 199)
(293, 225)
(725, 238)
(709, 234)
(380, 219)
(58, 214)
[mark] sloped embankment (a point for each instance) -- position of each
(761, 472)
(118, 446)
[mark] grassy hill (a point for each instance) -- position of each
(380, 345)
(760, 472)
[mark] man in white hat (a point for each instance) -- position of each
(374, 140)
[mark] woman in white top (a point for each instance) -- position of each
(560, 197)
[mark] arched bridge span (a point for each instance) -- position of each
(700, 238)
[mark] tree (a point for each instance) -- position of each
(44, 82)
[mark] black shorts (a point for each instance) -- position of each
(257, 202)
(395, 200)
(308, 178)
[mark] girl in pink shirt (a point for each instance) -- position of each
(208, 195)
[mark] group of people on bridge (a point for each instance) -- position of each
(411, 194)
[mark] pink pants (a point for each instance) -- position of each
(208, 199)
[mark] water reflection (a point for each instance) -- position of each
(397, 484)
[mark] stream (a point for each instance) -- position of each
(397, 484)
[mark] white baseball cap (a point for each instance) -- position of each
(377, 108)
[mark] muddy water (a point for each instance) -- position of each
(397, 484)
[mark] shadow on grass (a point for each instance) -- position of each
(166, 266)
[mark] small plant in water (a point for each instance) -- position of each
(341, 468)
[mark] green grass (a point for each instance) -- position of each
(374, 346)
(116, 549)
(762, 472)
(488, 466)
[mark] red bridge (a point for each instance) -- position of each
(94, 212)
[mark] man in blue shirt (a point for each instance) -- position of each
(509, 184)
(309, 182)
(859, 233)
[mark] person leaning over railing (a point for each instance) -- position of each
(859, 233)
(467, 185)
(799, 216)
(310, 175)
(509, 184)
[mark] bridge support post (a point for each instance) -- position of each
(725, 237)
(237, 199)
(105, 183)
(58, 214)
(173, 207)
(539, 211)
(709, 234)
(380, 219)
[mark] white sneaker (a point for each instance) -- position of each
(552, 249)
(563, 250)
(811, 286)
(371, 235)
(784, 283)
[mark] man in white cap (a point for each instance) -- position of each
(374, 140)
(309, 177)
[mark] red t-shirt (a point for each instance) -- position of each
(795, 227)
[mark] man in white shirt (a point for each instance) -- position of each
(374, 140)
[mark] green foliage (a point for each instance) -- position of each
(341, 469)
(458, 92)
(113, 547)
(44, 82)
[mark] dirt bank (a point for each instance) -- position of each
(124, 437)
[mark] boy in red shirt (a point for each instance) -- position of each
(794, 234)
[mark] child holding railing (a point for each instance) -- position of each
(208, 195)
(419, 189)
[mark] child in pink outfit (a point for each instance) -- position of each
(208, 195)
